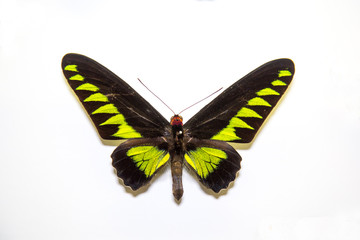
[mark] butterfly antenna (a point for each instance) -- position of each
(200, 100)
(156, 96)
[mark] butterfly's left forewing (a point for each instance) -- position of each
(117, 110)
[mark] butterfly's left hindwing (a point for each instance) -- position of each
(115, 108)
(214, 162)
(137, 160)
(237, 114)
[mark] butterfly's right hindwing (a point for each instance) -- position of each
(116, 109)
(137, 160)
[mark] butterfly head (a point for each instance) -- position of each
(176, 120)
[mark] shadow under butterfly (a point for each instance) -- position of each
(119, 112)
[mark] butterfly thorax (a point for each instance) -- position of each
(177, 155)
(176, 123)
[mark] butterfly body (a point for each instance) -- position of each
(177, 155)
(119, 112)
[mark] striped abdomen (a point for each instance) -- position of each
(176, 172)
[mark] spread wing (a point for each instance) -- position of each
(214, 162)
(117, 111)
(137, 160)
(237, 114)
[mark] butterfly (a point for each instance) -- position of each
(119, 112)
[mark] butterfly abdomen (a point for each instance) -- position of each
(176, 172)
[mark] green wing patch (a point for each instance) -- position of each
(205, 160)
(148, 158)
(137, 160)
(214, 162)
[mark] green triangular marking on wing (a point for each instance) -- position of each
(257, 101)
(226, 134)
(77, 77)
(126, 131)
(266, 92)
(115, 120)
(284, 73)
(278, 83)
(88, 87)
(72, 68)
(237, 122)
(97, 97)
(108, 108)
(247, 112)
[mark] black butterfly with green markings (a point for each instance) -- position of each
(119, 112)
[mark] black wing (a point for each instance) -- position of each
(115, 108)
(237, 114)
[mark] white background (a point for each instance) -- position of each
(299, 179)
